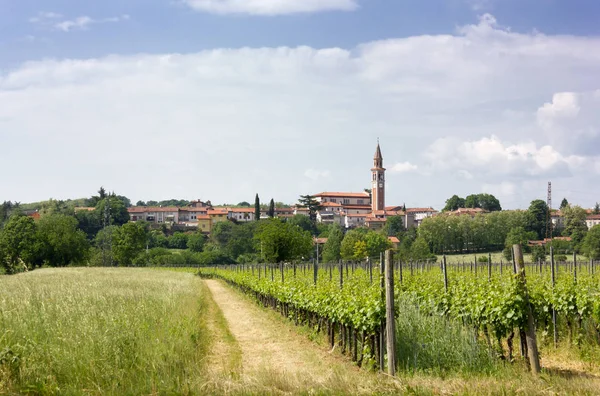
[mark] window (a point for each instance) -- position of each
(346, 201)
(360, 201)
(333, 200)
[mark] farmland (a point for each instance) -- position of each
(137, 331)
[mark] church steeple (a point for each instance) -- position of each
(378, 181)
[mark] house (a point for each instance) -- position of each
(218, 215)
(353, 220)
(592, 220)
(158, 215)
(344, 198)
(421, 213)
(242, 215)
(547, 240)
(394, 241)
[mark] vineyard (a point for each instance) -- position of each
(487, 300)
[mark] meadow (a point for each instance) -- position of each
(102, 331)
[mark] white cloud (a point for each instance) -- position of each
(564, 105)
(234, 122)
(45, 16)
(402, 167)
(270, 7)
(315, 174)
(83, 22)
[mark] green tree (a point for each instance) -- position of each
(178, 240)
(128, 241)
(309, 202)
(394, 226)
(517, 236)
(574, 223)
(537, 219)
(303, 222)
(19, 244)
(376, 243)
(271, 212)
(244, 204)
(360, 251)
(114, 208)
(63, 242)
(564, 203)
(597, 208)
(538, 253)
(420, 249)
(196, 242)
(591, 243)
(332, 248)
(280, 241)
(89, 222)
(256, 208)
(349, 242)
(453, 203)
(484, 201)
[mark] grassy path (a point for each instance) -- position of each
(275, 358)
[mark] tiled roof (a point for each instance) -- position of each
(593, 217)
(416, 210)
(84, 209)
(326, 204)
(393, 239)
(218, 212)
(320, 241)
(343, 194)
(149, 209)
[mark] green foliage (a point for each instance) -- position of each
(538, 254)
(591, 243)
(453, 203)
(303, 222)
(178, 240)
(574, 223)
(233, 239)
(128, 241)
(63, 243)
(196, 242)
(360, 251)
(537, 219)
(117, 211)
(281, 241)
(256, 208)
(420, 250)
(157, 238)
(313, 206)
(332, 248)
(376, 243)
(484, 201)
(564, 203)
(271, 211)
(394, 226)
(347, 248)
(19, 244)
(89, 222)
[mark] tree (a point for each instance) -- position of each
(244, 204)
(303, 222)
(596, 208)
(420, 249)
(453, 203)
(537, 219)
(63, 243)
(591, 243)
(19, 244)
(360, 251)
(394, 226)
(564, 203)
(196, 242)
(538, 253)
(89, 222)
(331, 250)
(309, 202)
(140, 203)
(347, 248)
(574, 223)
(116, 210)
(178, 240)
(128, 241)
(487, 202)
(271, 212)
(256, 208)
(376, 243)
(280, 241)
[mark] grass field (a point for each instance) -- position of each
(101, 331)
(471, 257)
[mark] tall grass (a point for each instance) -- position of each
(102, 331)
(437, 345)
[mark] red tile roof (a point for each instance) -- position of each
(326, 204)
(343, 194)
(415, 210)
(393, 239)
(148, 209)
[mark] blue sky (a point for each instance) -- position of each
(466, 95)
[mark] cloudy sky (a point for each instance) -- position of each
(222, 99)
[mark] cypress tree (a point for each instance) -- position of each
(271, 208)
(256, 208)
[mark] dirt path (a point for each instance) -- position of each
(274, 355)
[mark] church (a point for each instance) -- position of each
(362, 209)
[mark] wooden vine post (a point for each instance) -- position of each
(389, 312)
(445, 270)
(532, 349)
(553, 277)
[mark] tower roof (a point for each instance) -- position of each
(378, 153)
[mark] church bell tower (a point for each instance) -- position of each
(378, 181)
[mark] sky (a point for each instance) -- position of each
(222, 99)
